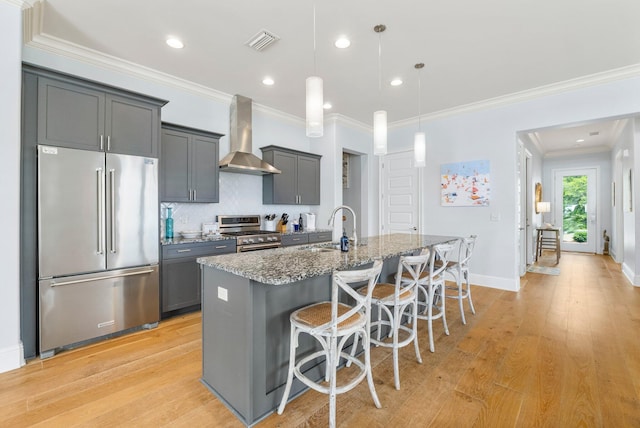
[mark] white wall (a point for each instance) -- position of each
(11, 354)
(491, 134)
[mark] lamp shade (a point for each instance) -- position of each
(419, 149)
(543, 207)
(315, 111)
(380, 133)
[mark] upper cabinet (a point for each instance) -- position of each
(299, 182)
(79, 114)
(189, 165)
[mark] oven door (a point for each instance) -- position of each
(256, 247)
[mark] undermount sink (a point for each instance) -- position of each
(323, 249)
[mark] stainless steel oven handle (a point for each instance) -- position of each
(246, 248)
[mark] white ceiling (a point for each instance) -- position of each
(473, 51)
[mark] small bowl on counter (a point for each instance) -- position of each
(190, 234)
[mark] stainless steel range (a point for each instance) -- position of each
(247, 231)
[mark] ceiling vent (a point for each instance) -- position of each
(594, 133)
(262, 40)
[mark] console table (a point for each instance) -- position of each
(550, 241)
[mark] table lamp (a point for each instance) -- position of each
(544, 207)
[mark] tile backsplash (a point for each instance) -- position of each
(240, 194)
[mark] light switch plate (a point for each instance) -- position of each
(495, 217)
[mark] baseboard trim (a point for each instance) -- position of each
(630, 275)
(495, 282)
(11, 358)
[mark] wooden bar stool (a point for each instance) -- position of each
(548, 242)
(332, 324)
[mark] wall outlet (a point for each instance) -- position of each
(495, 217)
(223, 294)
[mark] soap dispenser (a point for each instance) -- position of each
(344, 242)
(168, 225)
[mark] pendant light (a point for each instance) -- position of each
(380, 116)
(314, 122)
(419, 142)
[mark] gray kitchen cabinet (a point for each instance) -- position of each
(79, 114)
(315, 237)
(299, 182)
(189, 165)
(180, 277)
(295, 239)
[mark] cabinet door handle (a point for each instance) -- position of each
(188, 250)
(108, 143)
(219, 247)
(195, 194)
(101, 142)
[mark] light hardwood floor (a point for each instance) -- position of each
(562, 352)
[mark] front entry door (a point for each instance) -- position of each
(400, 204)
(576, 209)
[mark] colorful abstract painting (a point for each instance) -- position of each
(465, 184)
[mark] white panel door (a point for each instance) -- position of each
(400, 190)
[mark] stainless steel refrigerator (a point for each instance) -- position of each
(98, 243)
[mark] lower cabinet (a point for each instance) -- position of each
(180, 278)
(306, 238)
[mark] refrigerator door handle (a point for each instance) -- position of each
(99, 278)
(100, 180)
(112, 196)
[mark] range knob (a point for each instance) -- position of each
(260, 240)
(249, 241)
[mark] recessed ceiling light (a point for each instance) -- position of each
(326, 106)
(267, 81)
(175, 43)
(396, 82)
(342, 42)
(580, 140)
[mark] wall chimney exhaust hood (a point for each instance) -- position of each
(240, 159)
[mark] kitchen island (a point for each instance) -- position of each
(246, 302)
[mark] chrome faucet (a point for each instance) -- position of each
(355, 225)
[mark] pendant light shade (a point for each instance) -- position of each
(315, 110)
(420, 149)
(314, 97)
(380, 116)
(419, 140)
(380, 133)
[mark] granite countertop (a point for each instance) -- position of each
(290, 264)
(177, 240)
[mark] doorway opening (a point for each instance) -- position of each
(577, 208)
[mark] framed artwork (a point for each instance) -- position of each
(465, 184)
(538, 196)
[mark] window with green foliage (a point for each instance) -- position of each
(574, 205)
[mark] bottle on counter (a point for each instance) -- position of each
(300, 225)
(344, 242)
(168, 225)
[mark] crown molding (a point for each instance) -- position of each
(576, 152)
(530, 94)
(36, 38)
(22, 4)
(350, 123)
